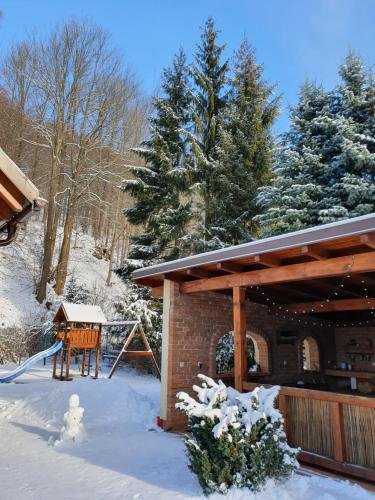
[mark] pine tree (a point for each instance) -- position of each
(354, 189)
(75, 293)
(158, 186)
(245, 150)
(209, 98)
(326, 169)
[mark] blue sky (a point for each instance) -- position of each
(295, 39)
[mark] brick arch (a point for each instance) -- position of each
(310, 348)
(262, 350)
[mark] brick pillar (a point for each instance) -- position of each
(189, 322)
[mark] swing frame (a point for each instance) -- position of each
(125, 353)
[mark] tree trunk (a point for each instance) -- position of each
(111, 254)
(62, 266)
(50, 234)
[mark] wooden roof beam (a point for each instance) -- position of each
(198, 273)
(325, 307)
(229, 267)
(315, 253)
(9, 199)
(338, 266)
(157, 291)
(266, 260)
(368, 240)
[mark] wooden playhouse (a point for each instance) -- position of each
(79, 327)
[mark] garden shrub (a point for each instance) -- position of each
(235, 439)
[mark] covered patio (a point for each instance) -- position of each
(304, 303)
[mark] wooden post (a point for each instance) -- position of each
(54, 364)
(338, 436)
(239, 331)
(284, 408)
(68, 361)
(89, 365)
(97, 357)
(83, 362)
(63, 350)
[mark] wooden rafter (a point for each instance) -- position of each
(266, 260)
(198, 273)
(368, 240)
(315, 253)
(157, 291)
(229, 267)
(338, 266)
(325, 307)
(9, 199)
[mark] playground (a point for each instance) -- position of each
(78, 333)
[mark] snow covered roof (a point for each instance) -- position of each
(317, 234)
(18, 198)
(80, 313)
(17, 177)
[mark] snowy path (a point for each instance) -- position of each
(124, 457)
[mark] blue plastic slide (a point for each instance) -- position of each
(29, 362)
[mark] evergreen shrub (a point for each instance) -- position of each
(235, 439)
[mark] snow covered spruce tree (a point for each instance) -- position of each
(160, 208)
(245, 149)
(157, 187)
(235, 439)
(75, 293)
(209, 97)
(325, 170)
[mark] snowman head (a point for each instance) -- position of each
(74, 401)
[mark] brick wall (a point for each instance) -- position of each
(196, 323)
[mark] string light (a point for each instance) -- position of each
(334, 293)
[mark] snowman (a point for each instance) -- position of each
(73, 428)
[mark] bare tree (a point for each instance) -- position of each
(73, 113)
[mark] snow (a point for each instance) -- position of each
(81, 313)
(73, 428)
(125, 456)
(20, 269)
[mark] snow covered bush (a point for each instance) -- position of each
(235, 439)
(73, 428)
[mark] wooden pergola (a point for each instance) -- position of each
(325, 274)
(296, 270)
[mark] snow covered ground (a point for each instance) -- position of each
(20, 270)
(124, 456)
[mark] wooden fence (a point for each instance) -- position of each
(334, 431)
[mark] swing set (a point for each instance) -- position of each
(79, 328)
(125, 353)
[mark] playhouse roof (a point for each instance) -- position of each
(80, 313)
